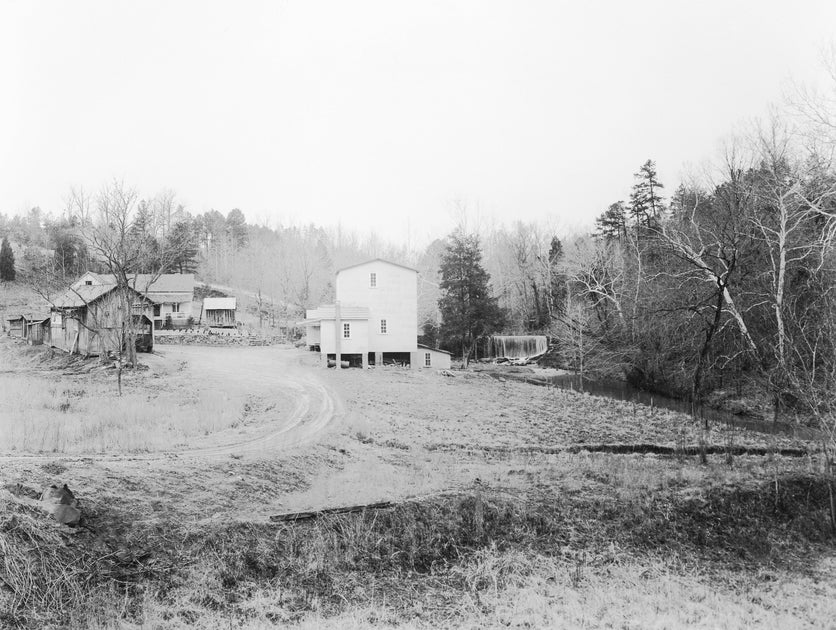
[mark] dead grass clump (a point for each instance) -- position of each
(42, 577)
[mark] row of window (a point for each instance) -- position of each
(384, 329)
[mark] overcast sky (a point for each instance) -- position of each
(384, 115)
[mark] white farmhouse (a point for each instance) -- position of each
(374, 319)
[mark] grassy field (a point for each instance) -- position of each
(501, 518)
(59, 404)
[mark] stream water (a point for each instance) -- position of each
(621, 390)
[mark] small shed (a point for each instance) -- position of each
(38, 330)
(219, 312)
(433, 358)
(17, 326)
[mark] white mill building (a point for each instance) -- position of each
(373, 320)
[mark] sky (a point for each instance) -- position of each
(386, 116)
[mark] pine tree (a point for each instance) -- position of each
(468, 311)
(646, 205)
(612, 224)
(7, 261)
(183, 242)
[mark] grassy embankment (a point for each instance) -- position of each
(729, 557)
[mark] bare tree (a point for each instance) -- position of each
(123, 248)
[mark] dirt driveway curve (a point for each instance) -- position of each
(299, 406)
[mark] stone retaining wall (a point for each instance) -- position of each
(201, 340)
(215, 339)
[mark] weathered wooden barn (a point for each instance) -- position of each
(219, 312)
(171, 293)
(90, 319)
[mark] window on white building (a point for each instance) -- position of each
(175, 308)
(346, 331)
(428, 359)
(383, 327)
(373, 280)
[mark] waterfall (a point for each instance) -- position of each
(518, 346)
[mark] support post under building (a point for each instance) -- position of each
(338, 333)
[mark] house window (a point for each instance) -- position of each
(89, 283)
(346, 331)
(175, 308)
(373, 280)
(383, 328)
(428, 359)
(156, 310)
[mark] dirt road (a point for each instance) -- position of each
(297, 405)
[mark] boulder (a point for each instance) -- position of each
(62, 505)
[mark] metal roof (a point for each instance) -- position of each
(327, 311)
(86, 294)
(423, 347)
(373, 260)
(219, 304)
(163, 298)
(82, 295)
(165, 283)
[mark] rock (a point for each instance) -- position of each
(62, 505)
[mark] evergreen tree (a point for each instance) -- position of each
(612, 224)
(468, 311)
(236, 227)
(645, 203)
(183, 242)
(557, 280)
(7, 261)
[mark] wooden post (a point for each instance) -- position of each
(338, 334)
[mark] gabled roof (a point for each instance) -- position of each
(327, 311)
(373, 260)
(166, 283)
(219, 304)
(85, 294)
(82, 295)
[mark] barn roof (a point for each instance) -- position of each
(219, 304)
(82, 295)
(373, 260)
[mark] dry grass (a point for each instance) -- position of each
(478, 560)
(475, 410)
(71, 415)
